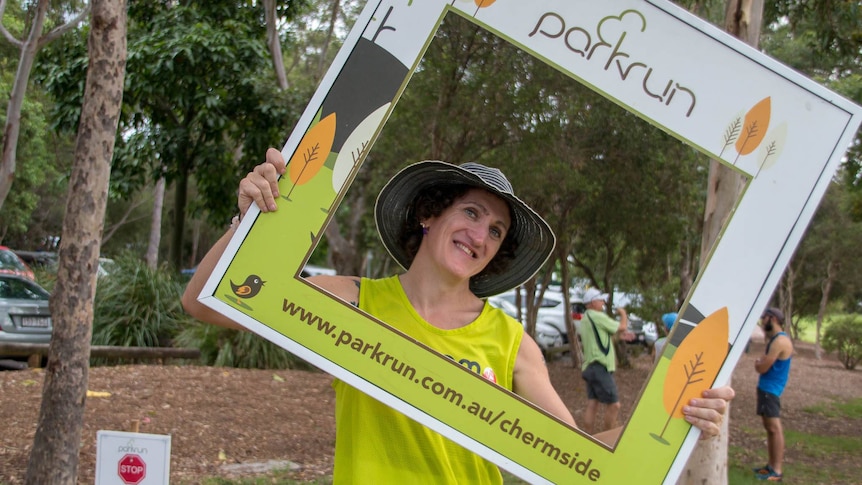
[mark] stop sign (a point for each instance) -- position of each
(131, 469)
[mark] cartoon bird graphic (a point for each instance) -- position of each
(249, 288)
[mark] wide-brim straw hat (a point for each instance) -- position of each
(534, 238)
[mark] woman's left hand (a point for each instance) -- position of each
(707, 413)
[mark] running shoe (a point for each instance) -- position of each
(768, 474)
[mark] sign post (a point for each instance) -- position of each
(132, 458)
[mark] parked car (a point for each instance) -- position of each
(106, 266)
(313, 270)
(646, 333)
(547, 336)
(24, 313)
(11, 263)
(551, 310)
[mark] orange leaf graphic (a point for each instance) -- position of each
(696, 362)
(754, 126)
(483, 3)
(312, 151)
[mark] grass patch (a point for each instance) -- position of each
(851, 409)
(803, 458)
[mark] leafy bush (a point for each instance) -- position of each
(136, 306)
(844, 335)
(236, 348)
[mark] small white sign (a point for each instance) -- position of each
(132, 458)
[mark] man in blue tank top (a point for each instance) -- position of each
(774, 368)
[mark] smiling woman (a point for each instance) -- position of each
(460, 235)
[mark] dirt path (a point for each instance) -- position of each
(219, 418)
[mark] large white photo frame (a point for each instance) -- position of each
(784, 132)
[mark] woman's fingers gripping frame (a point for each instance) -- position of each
(707, 414)
(261, 184)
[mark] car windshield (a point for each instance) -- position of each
(9, 260)
(16, 288)
(546, 302)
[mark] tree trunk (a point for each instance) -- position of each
(785, 300)
(708, 461)
(29, 49)
(825, 290)
(274, 43)
(322, 63)
(686, 271)
(58, 433)
(343, 242)
(181, 190)
(152, 256)
(562, 256)
(12, 129)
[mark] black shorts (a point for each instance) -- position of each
(600, 384)
(768, 404)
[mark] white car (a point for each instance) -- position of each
(551, 311)
(547, 336)
(646, 333)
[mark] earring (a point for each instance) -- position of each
(424, 228)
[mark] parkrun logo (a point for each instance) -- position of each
(606, 44)
(131, 448)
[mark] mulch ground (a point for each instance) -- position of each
(219, 418)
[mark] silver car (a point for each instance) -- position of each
(24, 313)
(547, 336)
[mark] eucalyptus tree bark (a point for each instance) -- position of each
(54, 457)
(335, 8)
(274, 43)
(825, 290)
(785, 299)
(563, 250)
(29, 48)
(708, 462)
(152, 257)
(343, 253)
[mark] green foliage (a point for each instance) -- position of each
(844, 336)
(45, 276)
(807, 469)
(828, 253)
(836, 25)
(823, 40)
(621, 196)
(136, 306)
(36, 164)
(199, 106)
(235, 348)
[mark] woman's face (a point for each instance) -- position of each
(467, 235)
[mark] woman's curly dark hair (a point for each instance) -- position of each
(431, 202)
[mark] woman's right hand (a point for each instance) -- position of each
(261, 184)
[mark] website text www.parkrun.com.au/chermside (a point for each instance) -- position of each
(510, 427)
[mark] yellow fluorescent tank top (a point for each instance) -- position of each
(376, 444)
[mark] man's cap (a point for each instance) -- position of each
(593, 294)
(774, 312)
(669, 319)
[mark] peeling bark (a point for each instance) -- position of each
(58, 433)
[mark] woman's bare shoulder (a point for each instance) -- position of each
(344, 287)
